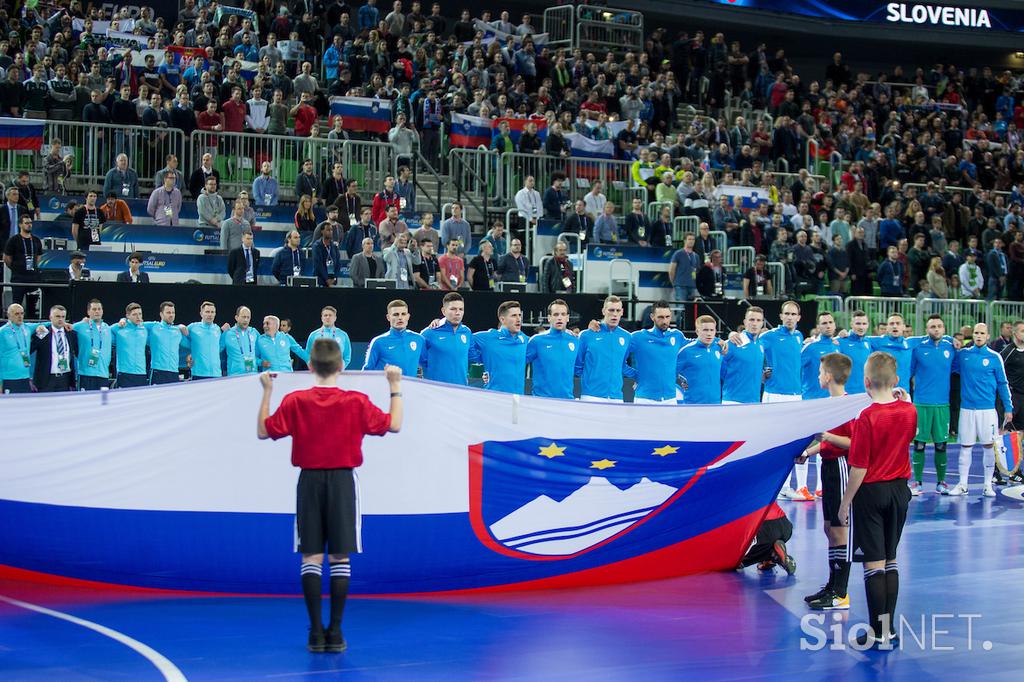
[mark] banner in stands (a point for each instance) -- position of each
(516, 492)
(916, 15)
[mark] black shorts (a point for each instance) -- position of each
(877, 516)
(327, 512)
(835, 474)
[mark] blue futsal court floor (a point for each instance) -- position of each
(961, 593)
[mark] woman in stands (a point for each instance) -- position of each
(305, 221)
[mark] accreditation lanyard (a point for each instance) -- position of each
(92, 335)
(238, 340)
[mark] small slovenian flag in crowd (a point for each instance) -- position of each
(746, 198)
(582, 146)
(363, 114)
(518, 125)
(470, 131)
(21, 133)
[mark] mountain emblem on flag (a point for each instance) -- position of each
(546, 499)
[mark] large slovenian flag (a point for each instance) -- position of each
(745, 198)
(583, 146)
(21, 133)
(363, 114)
(518, 125)
(470, 131)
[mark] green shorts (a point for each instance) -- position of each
(932, 423)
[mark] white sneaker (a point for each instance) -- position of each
(957, 490)
(786, 493)
(989, 491)
(796, 495)
(915, 488)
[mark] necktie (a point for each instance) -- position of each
(248, 260)
(61, 345)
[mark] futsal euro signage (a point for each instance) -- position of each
(955, 16)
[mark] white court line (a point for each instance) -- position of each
(159, 661)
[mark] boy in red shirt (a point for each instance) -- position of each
(833, 372)
(327, 426)
(877, 494)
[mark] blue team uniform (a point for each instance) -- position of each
(241, 350)
(203, 341)
(402, 348)
(601, 362)
(857, 348)
(16, 351)
(701, 366)
(810, 361)
(503, 355)
(931, 363)
(164, 342)
(552, 354)
(782, 353)
(445, 356)
(277, 350)
(900, 348)
(742, 368)
(98, 338)
(982, 375)
(130, 344)
(654, 355)
(338, 335)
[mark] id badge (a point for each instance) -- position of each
(522, 278)
(250, 364)
(248, 277)
(94, 357)
(760, 290)
(642, 232)
(895, 281)
(32, 206)
(168, 212)
(454, 281)
(566, 282)
(351, 218)
(266, 199)
(296, 271)
(125, 190)
(718, 288)
(94, 233)
(404, 275)
(25, 360)
(329, 263)
(401, 203)
(30, 263)
(583, 235)
(62, 364)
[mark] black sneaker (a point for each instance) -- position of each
(766, 566)
(317, 641)
(335, 642)
(1017, 478)
(831, 602)
(783, 558)
(825, 589)
(997, 478)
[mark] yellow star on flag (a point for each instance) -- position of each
(603, 464)
(665, 450)
(552, 451)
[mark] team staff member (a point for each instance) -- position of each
(1013, 361)
(814, 349)
(56, 348)
(782, 347)
(328, 330)
(16, 351)
(654, 352)
(699, 366)
(95, 342)
(398, 346)
(164, 340)
(327, 426)
(601, 360)
(552, 355)
(931, 364)
(502, 351)
(855, 346)
(833, 372)
(743, 364)
(275, 347)
(203, 340)
(130, 337)
(874, 505)
(238, 343)
(982, 375)
(445, 356)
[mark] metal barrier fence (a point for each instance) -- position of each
(778, 275)
(580, 174)
(834, 305)
(780, 181)
(1003, 311)
(654, 209)
(721, 240)
(879, 309)
(477, 174)
(955, 313)
(684, 225)
(369, 163)
(741, 257)
(559, 24)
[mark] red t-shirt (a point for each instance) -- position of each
(829, 451)
(305, 117)
(327, 426)
(234, 116)
(881, 441)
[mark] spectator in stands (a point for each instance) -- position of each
(429, 268)
(937, 278)
(116, 210)
(513, 266)
(556, 199)
(638, 225)
(233, 228)
(327, 258)
(134, 274)
(891, 274)
(171, 166)
(838, 261)
(278, 112)
(482, 269)
(264, 187)
(304, 220)
(21, 256)
(27, 195)
(164, 204)
(860, 261)
(972, 281)
(391, 227)
(350, 205)
(757, 281)
(578, 223)
(682, 270)
(996, 269)
(257, 117)
(400, 262)
(85, 226)
(57, 168)
(661, 228)
(727, 219)
(364, 229)
(427, 231)
(559, 277)
(334, 186)
(234, 111)
(244, 261)
(606, 227)
(711, 277)
(496, 238)
(452, 265)
(384, 199)
(457, 228)
(430, 129)
(332, 220)
(406, 192)
(365, 265)
(11, 214)
(308, 183)
(529, 203)
(77, 270)
(304, 113)
(122, 180)
(248, 213)
(199, 179)
(403, 138)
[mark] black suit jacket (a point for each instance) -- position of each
(43, 348)
(6, 229)
(126, 277)
(237, 265)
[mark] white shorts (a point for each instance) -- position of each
(978, 426)
(652, 401)
(595, 399)
(779, 398)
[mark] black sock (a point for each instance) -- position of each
(341, 573)
(874, 588)
(312, 585)
(840, 570)
(892, 590)
(831, 568)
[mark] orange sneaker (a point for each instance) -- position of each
(817, 493)
(805, 494)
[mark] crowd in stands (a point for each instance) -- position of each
(925, 167)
